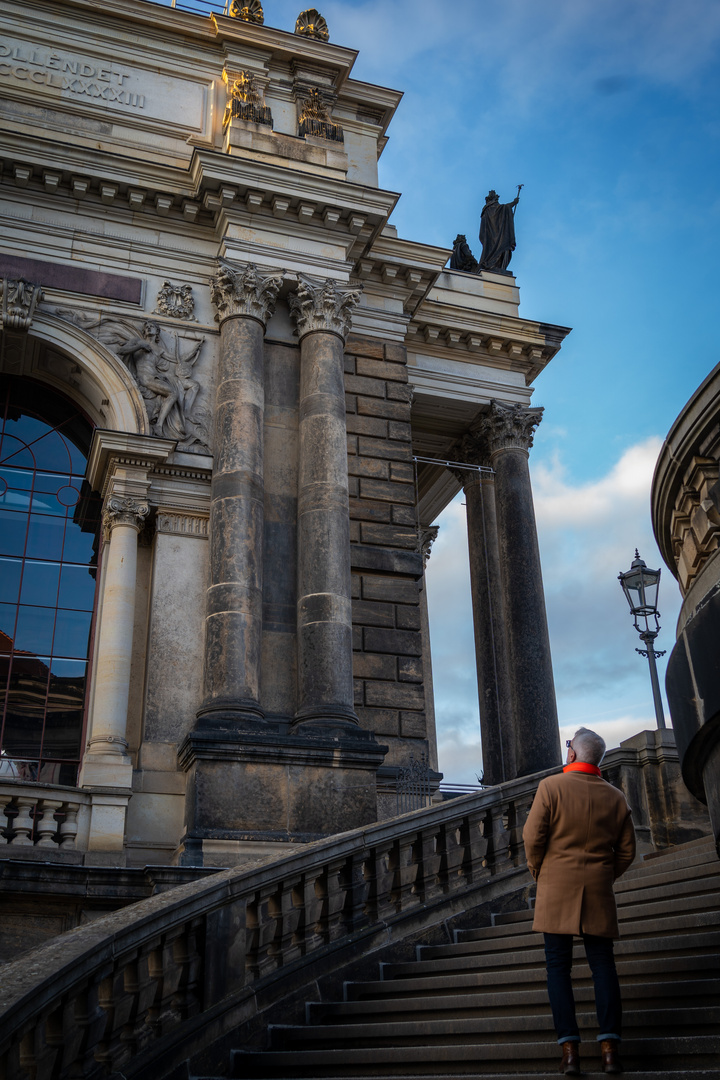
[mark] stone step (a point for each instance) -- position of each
(673, 861)
(650, 969)
(699, 941)
(463, 1059)
(523, 1027)
(507, 1003)
(672, 924)
(682, 905)
(660, 878)
(589, 1063)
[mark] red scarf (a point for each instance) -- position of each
(582, 766)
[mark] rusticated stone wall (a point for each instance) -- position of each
(387, 567)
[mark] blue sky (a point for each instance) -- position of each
(608, 114)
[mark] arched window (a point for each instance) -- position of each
(48, 567)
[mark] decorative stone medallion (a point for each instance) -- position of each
(176, 301)
(310, 23)
(248, 11)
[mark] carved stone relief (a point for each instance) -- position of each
(19, 299)
(427, 535)
(245, 99)
(175, 301)
(315, 119)
(509, 427)
(162, 362)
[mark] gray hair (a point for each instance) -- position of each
(588, 746)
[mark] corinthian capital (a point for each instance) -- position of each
(245, 290)
(119, 510)
(509, 427)
(323, 305)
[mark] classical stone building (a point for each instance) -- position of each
(234, 403)
(686, 520)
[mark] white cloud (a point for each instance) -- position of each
(588, 533)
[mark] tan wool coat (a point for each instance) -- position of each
(579, 838)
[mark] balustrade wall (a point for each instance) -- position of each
(122, 994)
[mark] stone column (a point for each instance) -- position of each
(244, 299)
(491, 654)
(510, 431)
(428, 536)
(106, 760)
(322, 312)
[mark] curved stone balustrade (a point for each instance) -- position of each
(40, 816)
(180, 970)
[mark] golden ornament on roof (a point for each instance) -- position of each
(250, 11)
(311, 24)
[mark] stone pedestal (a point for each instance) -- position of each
(509, 430)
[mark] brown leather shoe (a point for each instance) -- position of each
(571, 1059)
(610, 1056)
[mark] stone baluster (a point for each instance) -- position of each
(46, 823)
(244, 299)
(5, 800)
(322, 312)
(491, 654)
(69, 826)
(510, 430)
(107, 762)
(23, 824)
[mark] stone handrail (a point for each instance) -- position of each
(41, 816)
(121, 989)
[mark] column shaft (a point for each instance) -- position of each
(325, 683)
(244, 298)
(234, 598)
(537, 739)
(494, 695)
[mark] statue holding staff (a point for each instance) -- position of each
(497, 231)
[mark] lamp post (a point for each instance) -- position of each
(640, 586)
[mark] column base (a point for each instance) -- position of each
(334, 722)
(221, 714)
(250, 788)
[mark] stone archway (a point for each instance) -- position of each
(63, 355)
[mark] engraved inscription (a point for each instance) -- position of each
(37, 66)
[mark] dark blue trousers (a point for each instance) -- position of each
(558, 959)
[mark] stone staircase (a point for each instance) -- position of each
(478, 1006)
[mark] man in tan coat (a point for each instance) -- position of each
(579, 838)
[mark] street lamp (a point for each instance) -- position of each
(640, 586)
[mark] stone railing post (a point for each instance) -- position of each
(322, 312)
(244, 299)
(510, 430)
(491, 654)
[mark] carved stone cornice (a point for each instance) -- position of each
(124, 510)
(323, 306)
(427, 535)
(508, 427)
(19, 300)
(244, 291)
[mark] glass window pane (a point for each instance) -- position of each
(77, 587)
(17, 479)
(7, 627)
(73, 633)
(45, 537)
(66, 696)
(9, 580)
(14, 453)
(51, 452)
(26, 697)
(50, 482)
(27, 428)
(34, 633)
(40, 583)
(45, 503)
(13, 530)
(78, 545)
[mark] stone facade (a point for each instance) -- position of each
(686, 520)
(196, 256)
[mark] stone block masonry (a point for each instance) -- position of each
(387, 566)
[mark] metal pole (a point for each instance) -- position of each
(649, 639)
